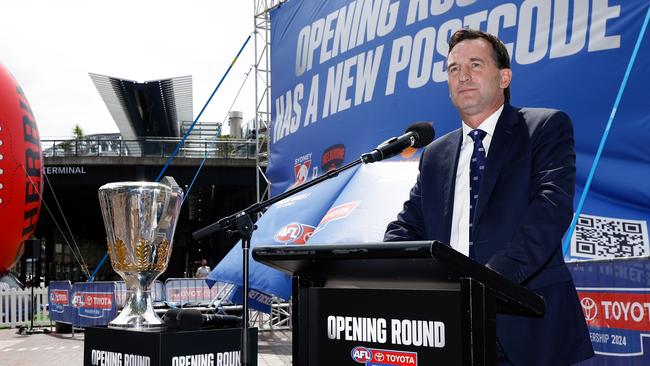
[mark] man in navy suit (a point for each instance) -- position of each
(500, 189)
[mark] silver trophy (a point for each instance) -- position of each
(140, 218)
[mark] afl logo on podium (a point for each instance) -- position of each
(361, 354)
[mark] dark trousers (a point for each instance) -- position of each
(502, 359)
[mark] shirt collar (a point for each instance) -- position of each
(488, 125)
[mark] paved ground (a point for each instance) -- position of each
(274, 349)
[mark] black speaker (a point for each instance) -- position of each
(33, 248)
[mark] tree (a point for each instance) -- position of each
(77, 132)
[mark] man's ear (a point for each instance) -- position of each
(506, 77)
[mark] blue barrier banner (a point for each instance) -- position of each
(182, 291)
(94, 303)
(615, 298)
(60, 304)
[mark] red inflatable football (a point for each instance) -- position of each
(21, 175)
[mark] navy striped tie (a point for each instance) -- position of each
(476, 168)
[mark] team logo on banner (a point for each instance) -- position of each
(294, 233)
(333, 157)
(383, 357)
(301, 169)
(617, 320)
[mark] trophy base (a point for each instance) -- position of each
(139, 327)
(147, 322)
(138, 313)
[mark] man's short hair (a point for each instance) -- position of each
(499, 50)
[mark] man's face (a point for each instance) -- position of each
(475, 83)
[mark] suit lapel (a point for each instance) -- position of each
(499, 148)
(448, 171)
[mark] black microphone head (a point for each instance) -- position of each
(425, 133)
(170, 318)
(189, 319)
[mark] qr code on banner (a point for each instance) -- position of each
(607, 237)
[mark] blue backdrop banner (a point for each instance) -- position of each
(347, 75)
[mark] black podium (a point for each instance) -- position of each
(408, 303)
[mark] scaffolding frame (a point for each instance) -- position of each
(262, 66)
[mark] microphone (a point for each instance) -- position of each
(193, 319)
(418, 135)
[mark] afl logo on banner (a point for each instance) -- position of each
(77, 300)
(294, 233)
(361, 354)
(333, 157)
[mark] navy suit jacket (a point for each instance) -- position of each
(525, 205)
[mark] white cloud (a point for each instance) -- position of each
(51, 46)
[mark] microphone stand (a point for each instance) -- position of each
(243, 221)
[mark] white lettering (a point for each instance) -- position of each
(542, 12)
(399, 60)
(204, 359)
(560, 47)
(418, 333)
(422, 53)
(105, 358)
(507, 12)
(601, 12)
(367, 70)
(356, 329)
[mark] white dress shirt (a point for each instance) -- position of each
(460, 219)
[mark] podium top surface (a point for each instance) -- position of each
(419, 264)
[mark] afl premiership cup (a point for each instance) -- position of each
(140, 218)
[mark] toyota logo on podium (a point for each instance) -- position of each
(589, 308)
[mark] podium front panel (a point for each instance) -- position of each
(383, 327)
(109, 346)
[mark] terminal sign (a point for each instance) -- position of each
(65, 170)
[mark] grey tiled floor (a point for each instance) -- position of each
(274, 349)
